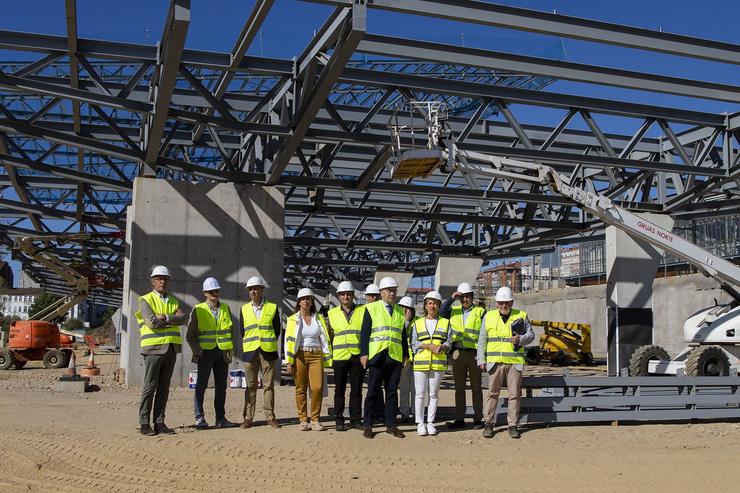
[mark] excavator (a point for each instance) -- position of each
(41, 339)
(712, 334)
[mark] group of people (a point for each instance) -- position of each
(401, 353)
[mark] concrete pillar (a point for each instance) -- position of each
(451, 271)
(630, 268)
(402, 278)
(228, 231)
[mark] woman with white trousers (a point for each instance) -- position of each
(431, 339)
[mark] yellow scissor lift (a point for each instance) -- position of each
(562, 343)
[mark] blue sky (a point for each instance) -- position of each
(291, 23)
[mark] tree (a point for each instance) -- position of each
(6, 320)
(42, 302)
(73, 324)
(107, 314)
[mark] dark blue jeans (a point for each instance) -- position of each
(385, 372)
(211, 359)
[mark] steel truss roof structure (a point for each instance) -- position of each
(84, 117)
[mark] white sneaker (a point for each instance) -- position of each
(431, 429)
(421, 430)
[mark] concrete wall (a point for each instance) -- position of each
(674, 299)
(451, 271)
(227, 231)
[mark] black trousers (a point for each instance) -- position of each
(353, 371)
(385, 372)
(211, 359)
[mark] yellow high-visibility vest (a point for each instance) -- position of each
(212, 332)
(387, 330)
(163, 335)
(425, 359)
(346, 341)
(467, 333)
(499, 348)
(290, 339)
(259, 334)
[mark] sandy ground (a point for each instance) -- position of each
(64, 442)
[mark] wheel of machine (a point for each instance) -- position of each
(561, 358)
(54, 359)
(66, 354)
(6, 359)
(642, 356)
(19, 364)
(533, 356)
(587, 359)
(707, 361)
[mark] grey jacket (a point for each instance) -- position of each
(151, 321)
(191, 336)
(524, 339)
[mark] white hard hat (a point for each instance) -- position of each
(504, 294)
(304, 292)
(407, 302)
(433, 295)
(372, 289)
(160, 270)
(464, 287)
(344, 287)
(211, 284)
(388, 282)
(255, 281)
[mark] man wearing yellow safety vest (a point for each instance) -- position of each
(465, 321)
(158, 317)
(345, 323)
(406, 392)
(503, 335)
(383, 348)
(209, 335)
(372, 293)
(260, 323)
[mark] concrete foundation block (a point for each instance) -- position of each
(73, 386)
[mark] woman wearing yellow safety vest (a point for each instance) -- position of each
(431, 338)
(209, 335)
(307, 352)
(503, 335)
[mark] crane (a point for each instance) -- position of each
(713, 334)
(40, 338)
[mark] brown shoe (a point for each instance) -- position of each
(247, 423)
(393, 430)
(368, 433)
(273, 422)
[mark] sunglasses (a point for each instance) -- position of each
(215, 291)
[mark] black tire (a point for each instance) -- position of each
(54, 359)
(561, 358)
(19, 364)
(66, 354)
(587, 359)
(6, 359)
(533, 356)
(642, 356)
(707, 361)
